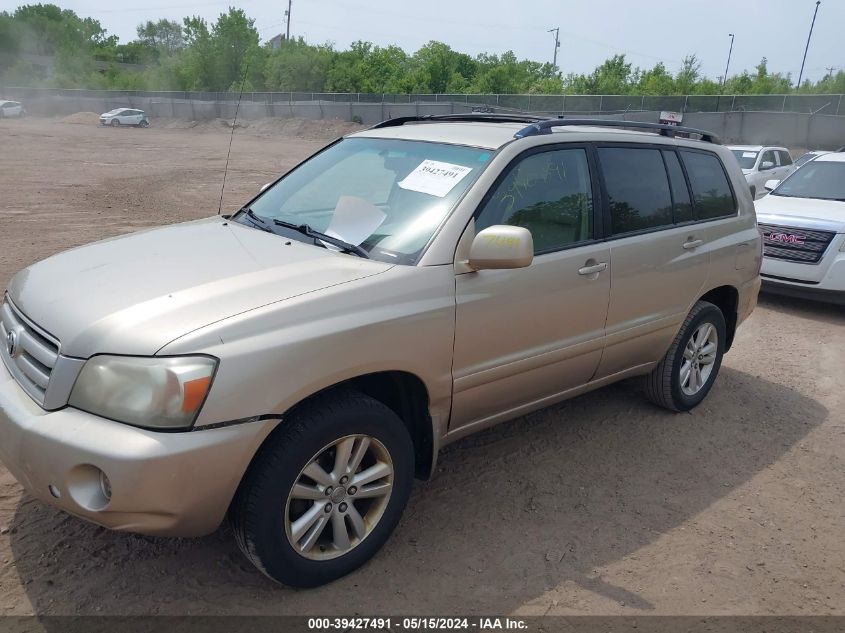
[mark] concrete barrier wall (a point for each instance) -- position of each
(817, 131)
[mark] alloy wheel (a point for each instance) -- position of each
(699, 358)
(339, 497)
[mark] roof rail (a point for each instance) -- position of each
(544, 126)
(470, 117)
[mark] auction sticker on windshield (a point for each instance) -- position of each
(434, 178)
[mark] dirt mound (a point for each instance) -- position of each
(86, 118)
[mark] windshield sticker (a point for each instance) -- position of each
(749, 154)
(354, 220)
(434, 178)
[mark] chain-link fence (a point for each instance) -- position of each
(805, 104)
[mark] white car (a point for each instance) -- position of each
(803, 225)
(10, 109)
(124, 116)
(760, 163)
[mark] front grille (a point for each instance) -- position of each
(29, 353)
(793, 244)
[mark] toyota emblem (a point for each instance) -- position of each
(12, 343)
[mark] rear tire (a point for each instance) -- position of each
(279, 507)
(686, 374)
(144, 124)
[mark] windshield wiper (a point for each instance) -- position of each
(256, 220)
(316, 235)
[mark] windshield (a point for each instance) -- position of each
(387, 196)
(745, 158)
(817, 179)
(804, 158)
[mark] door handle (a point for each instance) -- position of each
(691, 244)
(592, 270)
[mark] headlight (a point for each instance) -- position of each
(165, 392)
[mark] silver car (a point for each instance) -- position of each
(295, 365)
(11, 109)
(125, 116)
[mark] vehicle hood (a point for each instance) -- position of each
(823, 215)
(135, 293)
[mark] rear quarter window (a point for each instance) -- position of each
(711, 192)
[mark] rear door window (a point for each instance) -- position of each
(712, 194)
(637, 186)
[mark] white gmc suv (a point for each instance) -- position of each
(803, 225)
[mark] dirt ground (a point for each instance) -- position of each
(601, 505)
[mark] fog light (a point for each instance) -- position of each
(105, 486)
(89, 487)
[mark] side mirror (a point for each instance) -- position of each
(264, 186)
(501, 246)
(766, 165)
(771, 184)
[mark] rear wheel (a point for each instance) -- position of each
(686, 374)
(325, 491)
(144, 123)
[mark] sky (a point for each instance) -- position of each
(647, 31)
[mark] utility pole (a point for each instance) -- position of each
(556, 31)
(830, 70)
(806, 48)
(287, 21)
(730, 51)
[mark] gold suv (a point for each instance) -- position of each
(297, 364)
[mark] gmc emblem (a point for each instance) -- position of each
(785, 238)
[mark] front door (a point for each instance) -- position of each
(525, 336)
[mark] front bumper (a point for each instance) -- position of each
(172, 484)
(824, 281)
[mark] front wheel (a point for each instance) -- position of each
(115, 123)
(686, 374)
(325, 491)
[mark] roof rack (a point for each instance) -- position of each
(544, 126)
(470, 117)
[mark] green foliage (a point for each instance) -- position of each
(226, 55)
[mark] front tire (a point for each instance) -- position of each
(115, 123)
(686, 374)
(325, 491)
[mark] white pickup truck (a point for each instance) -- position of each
(760, 164)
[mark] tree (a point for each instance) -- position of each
(688, 75)
(163, 35)
(234, 48)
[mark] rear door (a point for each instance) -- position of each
(525, 336)
(660, 260)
